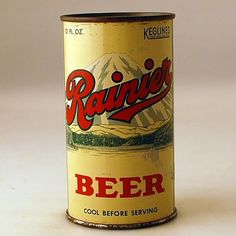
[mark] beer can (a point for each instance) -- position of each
(119, 119)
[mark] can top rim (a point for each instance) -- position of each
(117, 16)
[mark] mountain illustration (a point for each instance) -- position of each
(102, 70)
(152, 126)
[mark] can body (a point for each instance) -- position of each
(119, 122)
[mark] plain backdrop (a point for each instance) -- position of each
(32, 138)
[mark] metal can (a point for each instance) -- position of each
(119, 119)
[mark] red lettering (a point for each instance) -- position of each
(144, 88)
(103, 187)
(168, 75)
(156, 81)
(95, 104)
(75, 93)
(131, 186)
(128, 92)
(86, 103)
(84, 185)
(153, 181)
(127, 187)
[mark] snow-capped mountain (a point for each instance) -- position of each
(102, 70)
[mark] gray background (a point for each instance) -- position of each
(32, 142)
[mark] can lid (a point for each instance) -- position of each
(118, 17)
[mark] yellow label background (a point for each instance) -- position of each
(80, 51)
(118, 164)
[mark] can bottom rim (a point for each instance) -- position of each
(122, 226)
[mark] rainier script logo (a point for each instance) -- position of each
(86, 103)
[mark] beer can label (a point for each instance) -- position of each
(119, 111)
